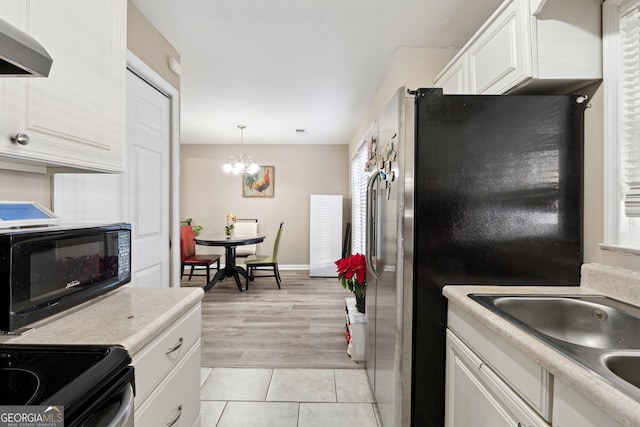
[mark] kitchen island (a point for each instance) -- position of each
(561, 391)
(161, 330)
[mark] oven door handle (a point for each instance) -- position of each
(124, 416)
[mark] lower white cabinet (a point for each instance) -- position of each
(571, 409)
(175, 402)
(490, 383)
(167, 372)
(476, 396)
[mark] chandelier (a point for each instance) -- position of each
(240, 164)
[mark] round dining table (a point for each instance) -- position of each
(230, 268)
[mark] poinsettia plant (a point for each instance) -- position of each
(352, 274)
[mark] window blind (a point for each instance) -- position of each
(359, 199)
(629, 117)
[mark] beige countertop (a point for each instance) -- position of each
(129, 317)
(612, 401)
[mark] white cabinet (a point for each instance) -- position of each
(528, 46)
(75, 119)
(167, 372)
(489, 383)
(571, 409)
(500, 57)
(477, 397)
(515, 383)
(454, 79)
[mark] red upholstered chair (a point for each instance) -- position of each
(188, 255)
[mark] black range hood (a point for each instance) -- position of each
(21, 55)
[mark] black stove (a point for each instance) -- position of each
(83, 379)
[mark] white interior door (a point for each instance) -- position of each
(148, 170)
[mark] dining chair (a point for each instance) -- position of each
(265, 262)
(245, 227)
(188, 255)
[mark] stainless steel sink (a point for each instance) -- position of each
(600, 333)
(589, 321)
(625, 366)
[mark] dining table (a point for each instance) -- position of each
(230, 269)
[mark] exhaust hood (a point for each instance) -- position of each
(21, 55)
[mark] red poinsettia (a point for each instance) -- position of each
(351, 272)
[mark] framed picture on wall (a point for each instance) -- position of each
(262, 184)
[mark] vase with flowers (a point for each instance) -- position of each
(228, 229)
(352, 274)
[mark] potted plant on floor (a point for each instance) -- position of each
(352, 274)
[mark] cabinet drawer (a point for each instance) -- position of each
(156, 359)
(522, 374)
(176, 402)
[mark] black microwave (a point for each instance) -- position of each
(44, 271)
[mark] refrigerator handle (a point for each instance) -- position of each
(370, 236)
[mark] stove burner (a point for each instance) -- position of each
(18, 386)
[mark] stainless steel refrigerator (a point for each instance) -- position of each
(463, 190)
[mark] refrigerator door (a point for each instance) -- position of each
(383, 276)
(498, 200)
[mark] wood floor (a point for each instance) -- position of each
(298, 326)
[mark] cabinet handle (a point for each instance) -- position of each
(20, 138)
(175, 347)
(175, 420)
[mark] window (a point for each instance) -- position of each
(621, 20)
(359, 199)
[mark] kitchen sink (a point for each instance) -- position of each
(625, 366)
(589, 321)
(600, 333)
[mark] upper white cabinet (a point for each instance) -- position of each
(454, 79)
(74, 119)
(530, 46)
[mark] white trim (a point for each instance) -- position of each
(620, 249)
(614, 210)
(610, 30)
(145, 72)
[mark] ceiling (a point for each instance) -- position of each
(281, 65)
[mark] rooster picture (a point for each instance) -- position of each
(259, 185)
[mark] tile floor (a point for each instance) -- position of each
(255, 397)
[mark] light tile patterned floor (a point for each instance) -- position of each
(238, 397)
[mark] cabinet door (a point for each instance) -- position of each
(571, 409)
(475, 396)
(75, 117)
(500, 58)
(455, 78)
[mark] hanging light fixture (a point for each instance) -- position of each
(240, 165)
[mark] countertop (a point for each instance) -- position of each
(612, 401)
(129, 317)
